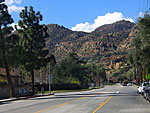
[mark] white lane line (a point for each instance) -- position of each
(107, 92)
(117, 92)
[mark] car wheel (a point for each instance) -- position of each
(149, 97)
(146, 97)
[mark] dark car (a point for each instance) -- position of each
(124, 83)
(146, 92)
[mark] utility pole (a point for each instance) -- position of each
(49, 78)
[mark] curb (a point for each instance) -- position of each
(23, 98)
(8, 100)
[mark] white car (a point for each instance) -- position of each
(129, 84)
(141, 87)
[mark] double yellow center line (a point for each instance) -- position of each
(60, 105)
(102, 104)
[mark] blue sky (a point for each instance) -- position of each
(82, 15)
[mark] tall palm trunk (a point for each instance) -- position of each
(141, 77)
(134, 73)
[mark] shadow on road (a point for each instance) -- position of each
(2, 103)
(88, 95)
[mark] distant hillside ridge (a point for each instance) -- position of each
(115, 27)
(107, 45)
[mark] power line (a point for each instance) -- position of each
(139, 8)
(147, 5)
(143, 6)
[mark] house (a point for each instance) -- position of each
(15, 76)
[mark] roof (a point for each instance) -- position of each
(3, 72)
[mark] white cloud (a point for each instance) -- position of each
(13, 25)
(14, 8)
(10, 2)
(12, 5)
(141, 14)
(108, 18)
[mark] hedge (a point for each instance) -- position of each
(3, 82)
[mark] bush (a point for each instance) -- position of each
(58, 86)
(65, 86)
(75, 82)
(3, 82)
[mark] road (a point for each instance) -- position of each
(111, 99)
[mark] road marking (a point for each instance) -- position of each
(102, 104)
(109, 92)
(60, 105)
(106, 92)
(117, 92)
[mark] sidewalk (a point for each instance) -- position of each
(22, 98)
(8, 100)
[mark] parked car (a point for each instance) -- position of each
(146, 92)
(141, 87)
(129, 84)
(124, 83)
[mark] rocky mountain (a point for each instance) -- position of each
(108, 45)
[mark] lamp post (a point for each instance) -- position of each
(49, 76)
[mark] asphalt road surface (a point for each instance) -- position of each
(111, 99)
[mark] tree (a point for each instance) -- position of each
(131, 60)
(52, 60)
(144, 33)
(141, 47)
(101, 74)
(32, 41)
(70, 70)
(8, 44)
(91, 71)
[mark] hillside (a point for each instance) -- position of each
(58, 34)
(108, 45)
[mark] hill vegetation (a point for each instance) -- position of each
(108, 45)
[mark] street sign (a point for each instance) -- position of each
(147, 76)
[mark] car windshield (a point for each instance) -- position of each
(145, 84)
(148, 84)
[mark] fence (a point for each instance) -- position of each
(58, 86)
(19, 91)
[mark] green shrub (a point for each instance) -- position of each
(75, 82)
(3, 82)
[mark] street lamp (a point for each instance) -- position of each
(49, 76)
